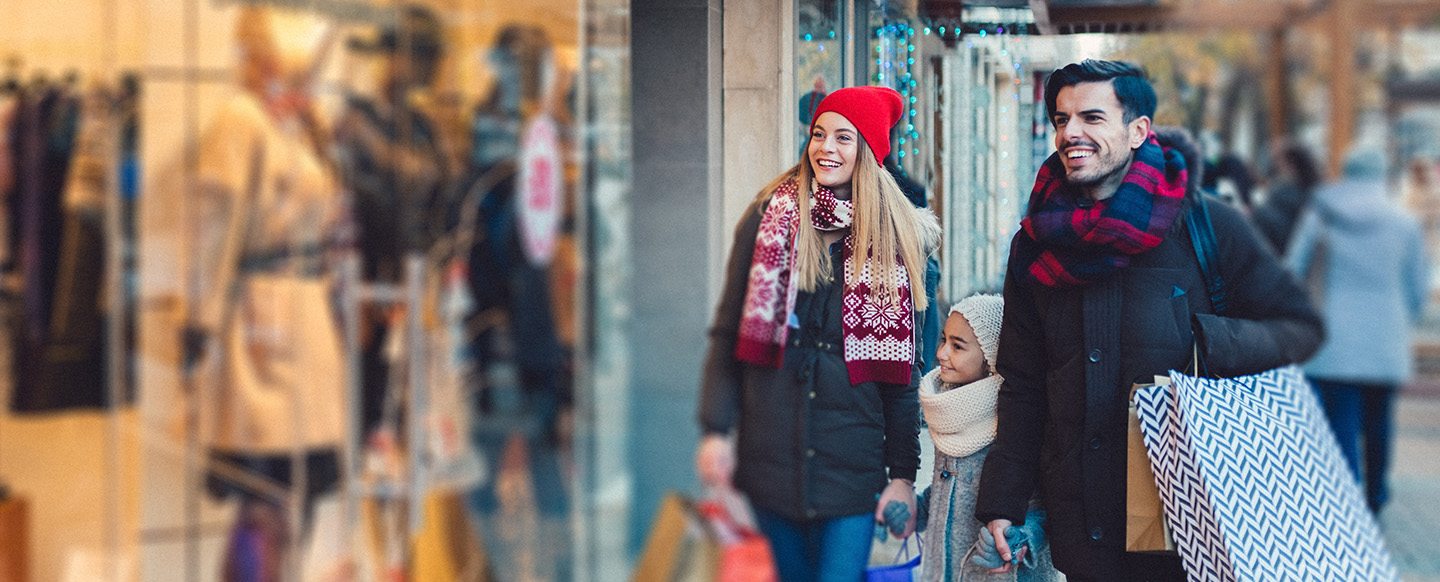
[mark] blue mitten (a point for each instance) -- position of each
(896, 514)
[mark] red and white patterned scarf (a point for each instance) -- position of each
(878, 341)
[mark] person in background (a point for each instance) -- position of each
(1366, 256)
(929, 332)
(808, 398)
(1103, 290)
(1297, 175)
(958, 398)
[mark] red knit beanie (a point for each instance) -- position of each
(873, 110)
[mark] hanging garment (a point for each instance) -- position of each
(47, 379)
(74, 354)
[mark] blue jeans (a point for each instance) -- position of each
(1362, 412)
(830, 550)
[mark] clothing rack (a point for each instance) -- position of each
(409, 293)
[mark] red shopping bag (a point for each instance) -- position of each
(745, 554)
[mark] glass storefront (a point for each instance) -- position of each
(301, 287)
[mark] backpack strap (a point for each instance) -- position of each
(1202, 234)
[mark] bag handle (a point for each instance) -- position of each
(905, 548)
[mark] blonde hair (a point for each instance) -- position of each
(882, 215)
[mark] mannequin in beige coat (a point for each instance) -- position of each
(264, 340)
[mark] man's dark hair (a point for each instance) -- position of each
(1137, 97)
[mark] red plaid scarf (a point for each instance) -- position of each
(1067, 245)
(877, 336)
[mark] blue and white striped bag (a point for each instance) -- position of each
(1253, 483)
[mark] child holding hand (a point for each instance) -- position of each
(958, 398)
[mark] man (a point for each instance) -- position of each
(1104, 290)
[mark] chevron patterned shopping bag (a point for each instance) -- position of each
(1253, 483)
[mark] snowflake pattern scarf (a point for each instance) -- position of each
(879, 345)
(1067, 245)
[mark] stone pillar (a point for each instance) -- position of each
(675, 101)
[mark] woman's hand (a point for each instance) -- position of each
(715, 460)
(902, 490)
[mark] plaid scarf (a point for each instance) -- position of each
(1067, 245)
(878, 345)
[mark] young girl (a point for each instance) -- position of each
(808, 397)
(958, 398)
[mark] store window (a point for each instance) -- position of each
(820, 58)
(316, 272)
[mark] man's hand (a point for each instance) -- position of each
(994, 536)
(902, 490)
(715, 460)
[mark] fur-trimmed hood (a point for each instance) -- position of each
(1180, 139)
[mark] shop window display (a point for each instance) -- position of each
(357, 297)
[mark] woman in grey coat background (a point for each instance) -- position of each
(958, 398)
(1364, 257)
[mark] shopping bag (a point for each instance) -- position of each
(745, 554)
(448, 548)
(1145, 527)
(679, 548)
(1253, 483)
(900, 571)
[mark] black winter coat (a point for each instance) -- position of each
(1070, 356)
(809, 446)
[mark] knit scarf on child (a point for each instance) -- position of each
(961, 418)
(878, 345)
(1066, 244)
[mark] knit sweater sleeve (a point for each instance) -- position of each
(720, 380)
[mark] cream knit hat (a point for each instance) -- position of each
(984, 312)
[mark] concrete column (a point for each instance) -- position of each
(675, 100)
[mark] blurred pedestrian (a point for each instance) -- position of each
(1104, 290)
(1366, 257)
(1230, 179)
(1297, 175)
(811, 360)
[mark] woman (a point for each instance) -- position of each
(811, 359)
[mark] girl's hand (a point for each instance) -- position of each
(902, 490)
(715, 460)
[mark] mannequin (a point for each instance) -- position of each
(262, 344)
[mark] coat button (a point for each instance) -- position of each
(944, 474)
(1095, 355)
(1095, 443)
(809, 452)
(1096, 533)
(812, 394)
(810, 513)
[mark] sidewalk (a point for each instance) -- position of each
(1411, 521)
